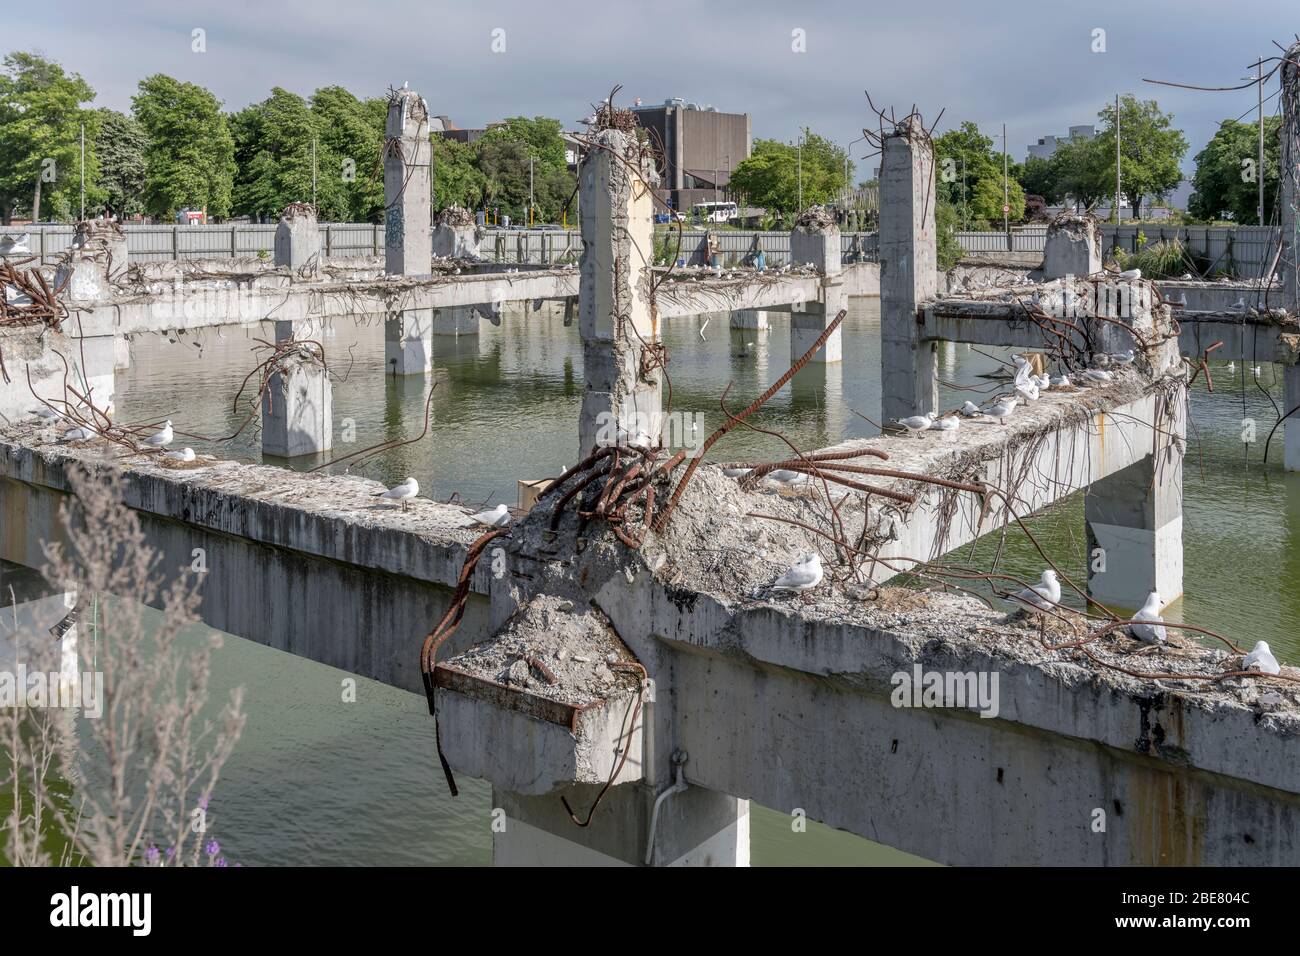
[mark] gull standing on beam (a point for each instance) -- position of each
(406, 490)
(161, 438)
(1043, 596)
(497, 517)
(1261, 658)
(915, 424)
(1002, 410)
(804, 575)
(1147, 625)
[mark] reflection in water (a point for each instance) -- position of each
(315, 780)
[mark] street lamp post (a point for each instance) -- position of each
(1258, 77)
(799, 155)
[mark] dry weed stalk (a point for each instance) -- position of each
(132, 785)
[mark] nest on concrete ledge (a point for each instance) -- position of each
(454, 216)
(815, 219)
(297, 210)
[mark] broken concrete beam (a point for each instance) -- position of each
(545, 702)
(1072, 248)
(297, 239)
(908, 272)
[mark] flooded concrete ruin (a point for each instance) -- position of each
(615, 661)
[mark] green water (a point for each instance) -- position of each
(318, 781)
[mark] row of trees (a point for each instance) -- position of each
(777, 175)
(179, 149)
(1151, 152)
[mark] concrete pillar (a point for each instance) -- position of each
(408, 342)
(108, 238)
(297, 406)
(908, 272)
(82, 274)
(1291, 427)
(695, 827)
(455, 234)
(619, 332)
(297, 238)
(1135, 518)
(1072, 248)
(456, 320)
(753, 319)
(815, 241)
(1289, 262)
(408, 241)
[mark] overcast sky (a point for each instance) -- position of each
(1022, 62)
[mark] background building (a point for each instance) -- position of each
(1046, 145)
(699, 147)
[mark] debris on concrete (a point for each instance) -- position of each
(555, 650)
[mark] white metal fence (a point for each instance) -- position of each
(1239, 251)
(161, 243)
(535, 246)
(1242, 251)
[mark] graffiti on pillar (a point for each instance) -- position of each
(393, 227)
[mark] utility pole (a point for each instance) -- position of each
(1119, 211)
(530, 189)
(965, 212)
(1006, 189)
(1259, 69)
(1258, 77)
(83, 172)
(799, 155)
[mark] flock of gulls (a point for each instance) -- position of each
(1026, 387)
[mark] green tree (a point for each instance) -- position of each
(190, 156)
(1226, 184)
(1037, 177)
(986, 203)
(41, 114)
(352, 138)
(457, 180)
(1080, 168)
(770, 177)
(120, 147)
(278, 156)
(503, 155)
(946, 224)
(1151, 151)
